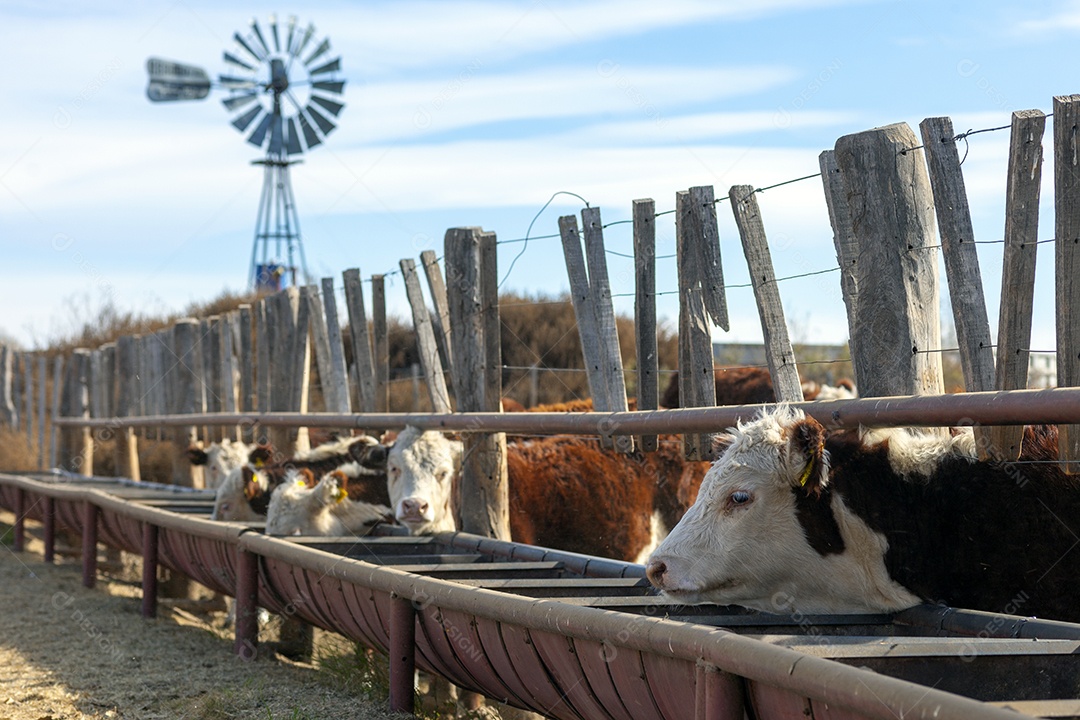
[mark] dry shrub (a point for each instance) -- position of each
(15, 454)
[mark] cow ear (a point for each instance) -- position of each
(306, 478)
(251, 488)
(260, 455)
(808, 443)
(720, 443)
(196, 455)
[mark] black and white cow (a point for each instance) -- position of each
(794, 519)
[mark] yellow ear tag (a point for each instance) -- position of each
(806, 473)
(340, 495)
(259, 463)
(301, 483)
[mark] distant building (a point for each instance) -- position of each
(1042, 370)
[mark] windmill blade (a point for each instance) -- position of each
(311, 138)
(238, 101)
(171, 81)
(237, 83)
(277, 134)
(304, 40)
(259, 36)
(292, 29)
(241, 123)
(324, 124)
(230, 58)
(244, 44)
(334, 108)
(258, 137)
(324, 46)
(273, 28)
(332, 86)
(332, 66)
(293, 147)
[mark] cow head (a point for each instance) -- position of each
(219, 459)
(232, 502)
(767, 531)
(420, 469)
(298, 505)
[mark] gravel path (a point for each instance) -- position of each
(70, 652)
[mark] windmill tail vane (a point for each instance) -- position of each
(282, 90)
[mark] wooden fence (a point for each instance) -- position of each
(257, 359)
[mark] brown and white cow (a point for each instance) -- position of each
(794, 519)
(564, 492)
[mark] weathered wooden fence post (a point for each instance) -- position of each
(437, 292)
(77, 444)
(185, 393)
(28, 398)
(470, 291)
(897, 317)
(425, 338)
(338, 372)
(1018, 268)
(8, 414)
(697, 384)
(127, 448)
(847, 247)
(264, 379)
(778, 351)
(1067, 259)
(380, 343)
(227, 372)
(247, 369)
(648, 382)
(366, 385)
(961, 261)
(43, 410)
(57, 394)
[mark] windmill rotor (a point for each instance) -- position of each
(283, 93)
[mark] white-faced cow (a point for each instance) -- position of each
(564, 492)
(221, 458)
(299, 506)
(792, 518)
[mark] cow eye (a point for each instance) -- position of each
(740, 497)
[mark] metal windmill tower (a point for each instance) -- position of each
(282, 90)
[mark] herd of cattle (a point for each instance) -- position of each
(791, 518)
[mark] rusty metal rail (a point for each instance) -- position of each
(1013, 407)
(568, 635)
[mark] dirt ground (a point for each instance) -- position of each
(70, 652)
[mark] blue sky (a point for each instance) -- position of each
(475, 113)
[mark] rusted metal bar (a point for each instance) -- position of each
(19, 540)
(149, 570)
(1014, 407)
(89, 544)
(246, 643)
(402, 654)
(48, 519)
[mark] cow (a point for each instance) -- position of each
(564, 492)
(300, 506)
(220, 458)
(753, 386)
(244, 495)
(792, 518)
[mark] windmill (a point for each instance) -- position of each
(281, 92)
